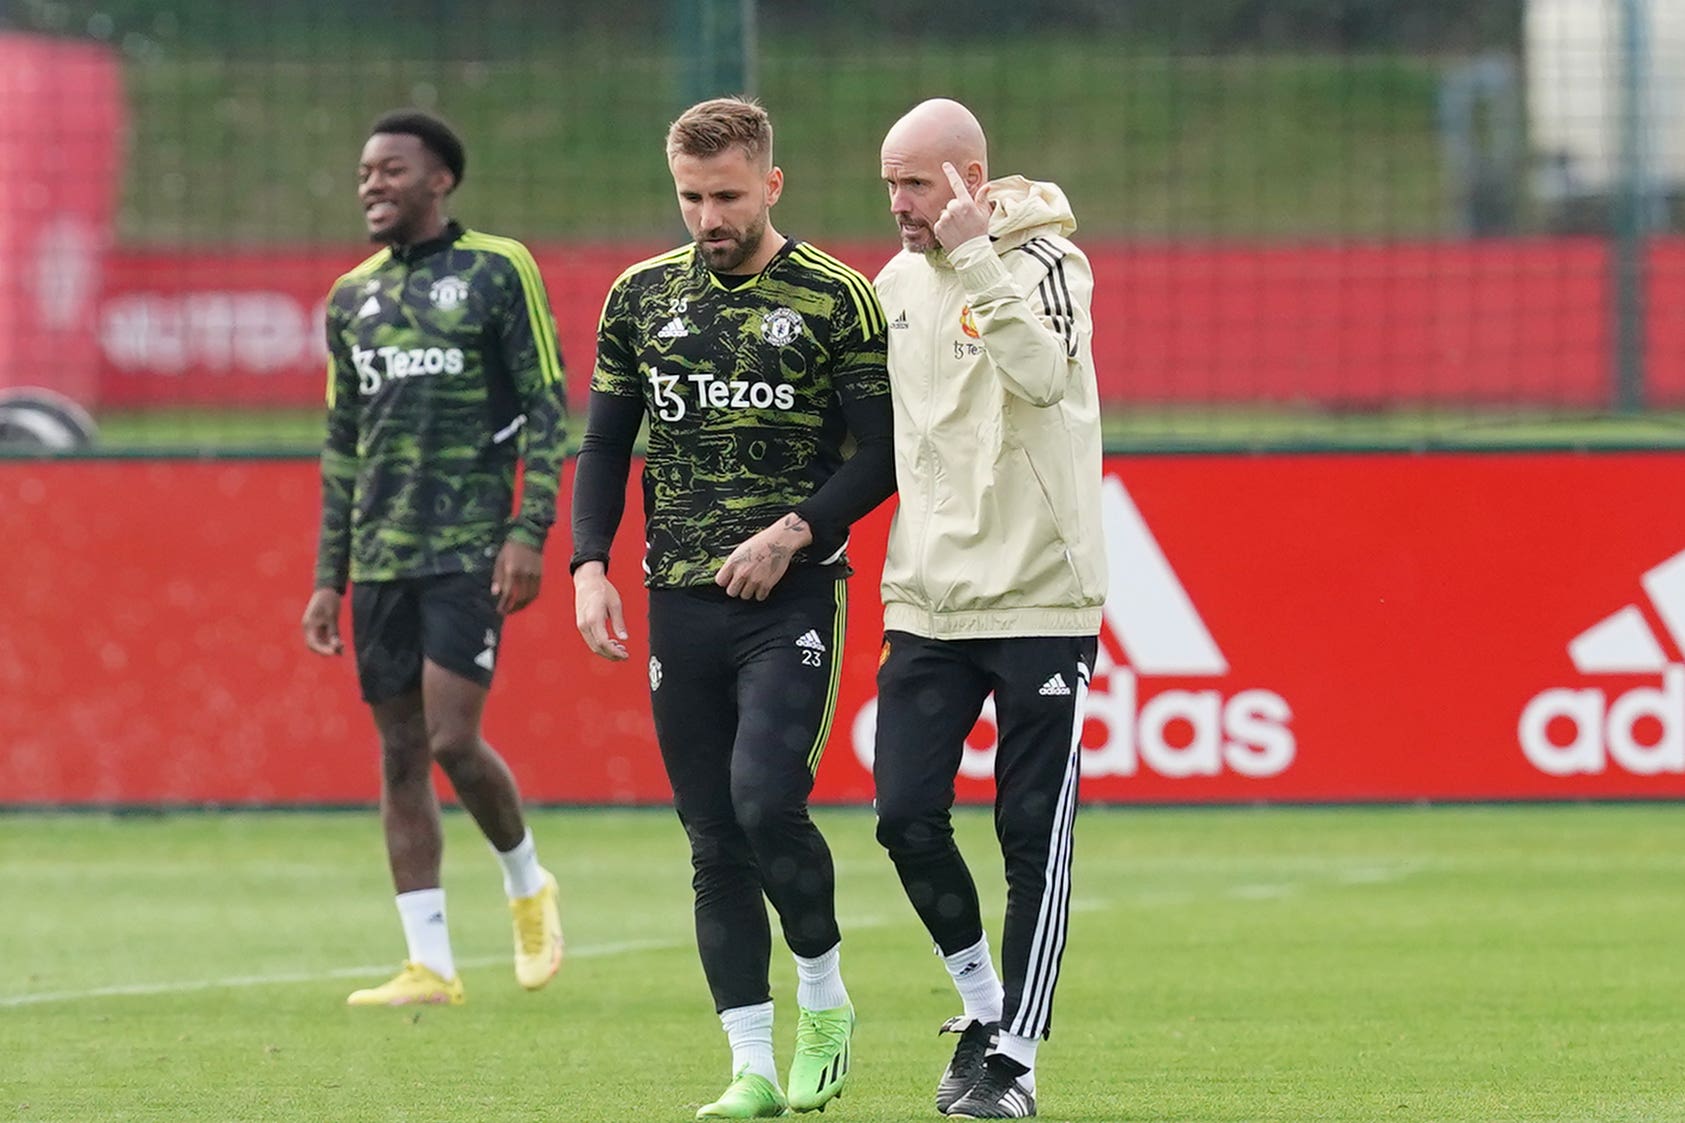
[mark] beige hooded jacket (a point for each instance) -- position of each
(997, 430)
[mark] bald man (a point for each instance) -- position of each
(995, 573)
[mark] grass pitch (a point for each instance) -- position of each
(565, 136)
(1127, 430)
(1473, 963)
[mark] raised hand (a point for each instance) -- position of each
(967, 214)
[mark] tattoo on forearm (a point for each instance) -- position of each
(793, 521)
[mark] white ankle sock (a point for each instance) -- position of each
(423, 914)
(749, 1029)
(522, 875)
(819, 984)
(974, 977)
(1022, 1050)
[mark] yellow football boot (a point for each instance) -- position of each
(538, 935)
(415, 985)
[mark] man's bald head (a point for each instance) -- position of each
(940, 129)
(931, 134)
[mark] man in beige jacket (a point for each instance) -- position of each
(995, 573)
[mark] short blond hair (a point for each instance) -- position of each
(711, 127)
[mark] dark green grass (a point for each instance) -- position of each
(1451, 964)
(1126, 430)
(566, 141)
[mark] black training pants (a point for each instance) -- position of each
(744, 693)
(930, 693)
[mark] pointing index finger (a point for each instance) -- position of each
(961, 191)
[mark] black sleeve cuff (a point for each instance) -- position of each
(583, 558)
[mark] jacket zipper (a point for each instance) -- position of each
(929, 443)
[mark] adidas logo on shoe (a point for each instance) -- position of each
(1054, 686)
(673, 329)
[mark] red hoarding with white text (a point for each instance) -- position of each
(1294, 628)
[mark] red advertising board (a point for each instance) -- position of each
(243, 326)
(1345, 325)
(1296, 628)
(60, 155)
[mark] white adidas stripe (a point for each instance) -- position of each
(1666, 586)
(1041, 975)
(1619, 644)
(1623, 642)
(1148, 609)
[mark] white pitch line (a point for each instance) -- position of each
(1262, 891)
(234, 982)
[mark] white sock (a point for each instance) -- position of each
(1022, 1050)
(749, 1029)
(423, 914)
(819, 984)
(974, 977)
(522, 875)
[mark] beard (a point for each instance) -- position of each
(920, 239)
(741, 248)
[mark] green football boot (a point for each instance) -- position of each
(820, 1067)
(747, 1097)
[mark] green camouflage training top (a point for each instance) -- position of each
(746, 389)
(443, 371)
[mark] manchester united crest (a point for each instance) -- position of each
(781, 326)
(447, 293)
(968, 322)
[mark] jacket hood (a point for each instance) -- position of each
(1026, 208)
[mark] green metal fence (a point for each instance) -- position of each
(1359, 222)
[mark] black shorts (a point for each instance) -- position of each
(450, 618)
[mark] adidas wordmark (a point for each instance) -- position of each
(1606, 729)
(1150, 628)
